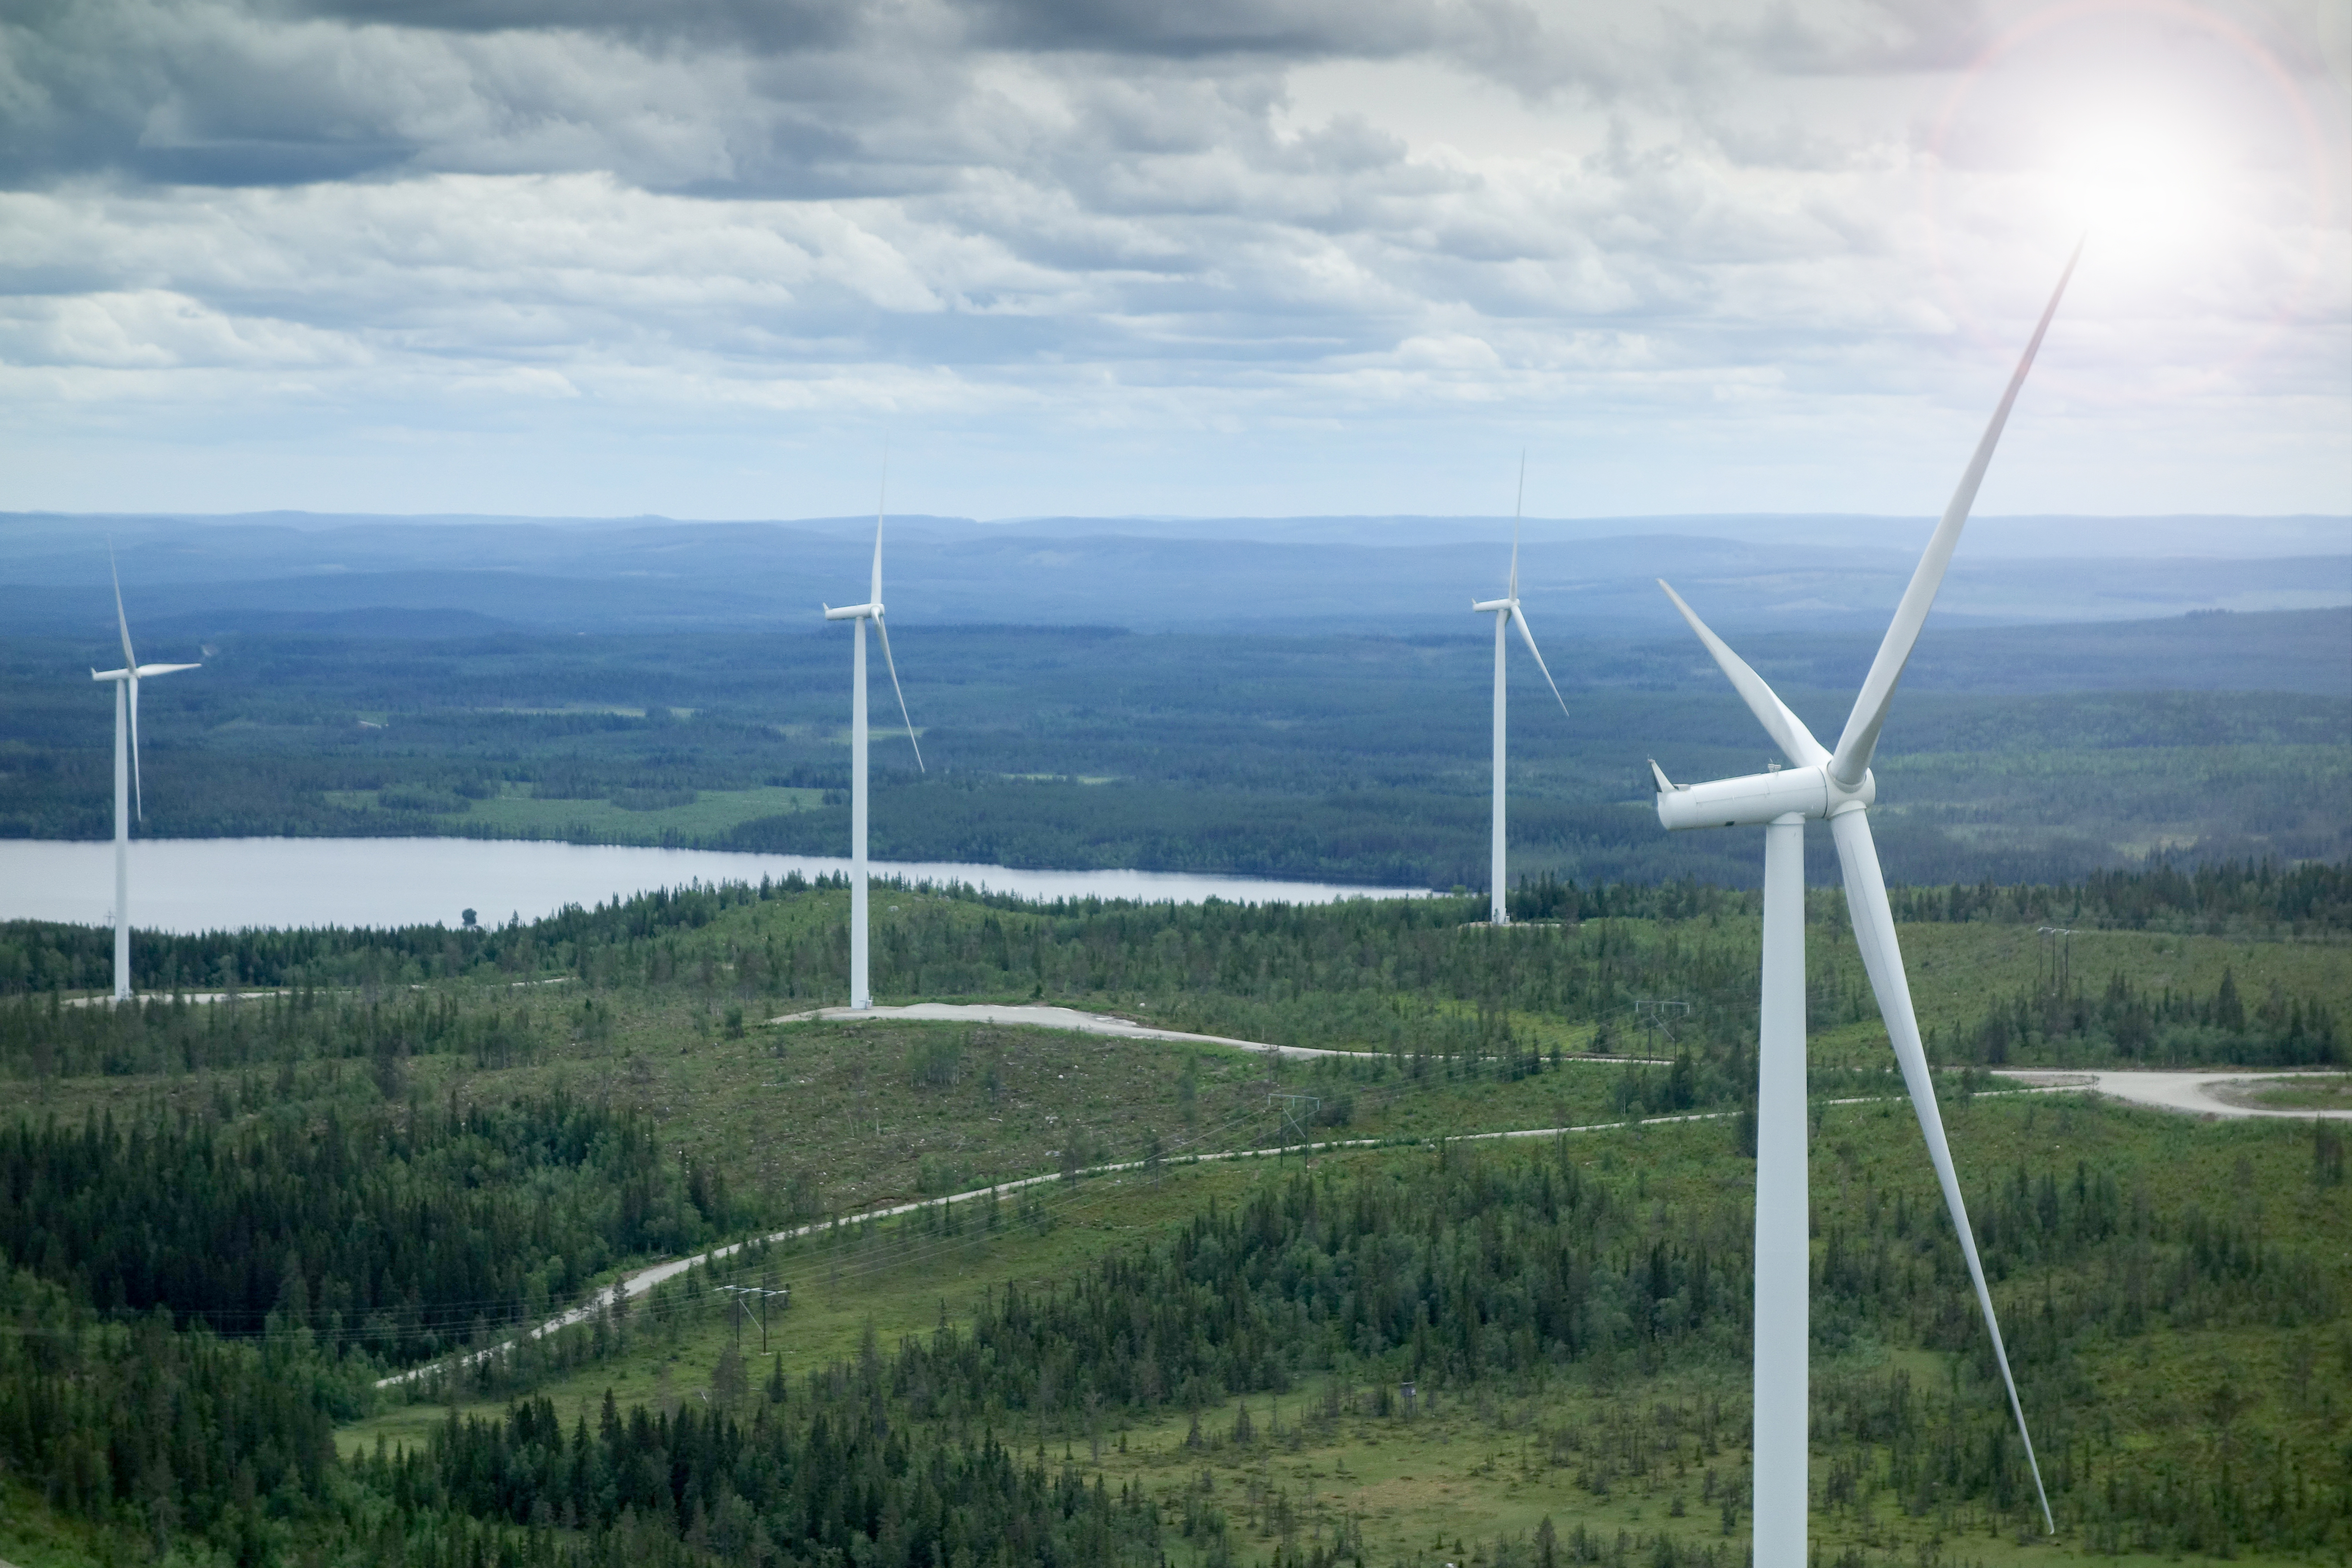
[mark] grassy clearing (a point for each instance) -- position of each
(1605, 1447)
(882, 1277)
(1344, 1000)
(815, 1118)
(1956, 971)
(520, 814)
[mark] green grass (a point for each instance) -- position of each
(1606, 1448)
(521, 814)
(1956, 971)
(33, 1534)
(876, 1281)
(2308, 1091)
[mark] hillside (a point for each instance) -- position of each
(1231, 1345)
(246, 1211)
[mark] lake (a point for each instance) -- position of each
(212, 884)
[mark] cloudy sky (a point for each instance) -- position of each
(706, 257)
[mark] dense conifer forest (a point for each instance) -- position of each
(393, 1231)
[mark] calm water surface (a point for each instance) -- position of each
(212, 884)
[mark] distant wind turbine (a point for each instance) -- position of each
(1836, 785)
(861, 995)
(126, 774)
(1505, 611)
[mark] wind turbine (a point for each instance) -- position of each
(861, 995)
(1505, 611)
(126, 774)
(1836, 785)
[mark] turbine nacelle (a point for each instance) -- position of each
(1492, 606)
(144, 672)
(852, 613)
(1755, 800)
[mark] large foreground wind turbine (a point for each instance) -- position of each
(1505, 611)
(861, 994)
(1836, 785)
(126, 775)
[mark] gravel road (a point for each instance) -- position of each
(2197, 1093)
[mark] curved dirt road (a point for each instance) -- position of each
(644, 1280)
(1036, 1016)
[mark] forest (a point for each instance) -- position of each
(1346, 757)
(1172, 1377)
(226, 1222)
(1467, 1273)
(395, 1233)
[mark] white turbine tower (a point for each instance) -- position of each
(1836, 785)
(126, 775)
(1505, 611)
(861, 995)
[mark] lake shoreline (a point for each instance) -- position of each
(192, 885)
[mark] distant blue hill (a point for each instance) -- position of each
(1400, 575)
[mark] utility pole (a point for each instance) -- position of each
(2058, 946)
(1655, 1017)
(1290, 1104)
(739, 1292)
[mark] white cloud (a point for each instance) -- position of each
(154, 328)
(1411, 222)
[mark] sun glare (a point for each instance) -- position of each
(2135, 186)
(2168, 136)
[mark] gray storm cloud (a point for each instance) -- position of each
(1022, 218)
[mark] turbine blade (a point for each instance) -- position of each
(1519, 501)
(1860, 739)
(129, 660)
(1788, 730)
(892, 666)
(1520, 616)
(881, 505)
(138, 794)
(1882, 956)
